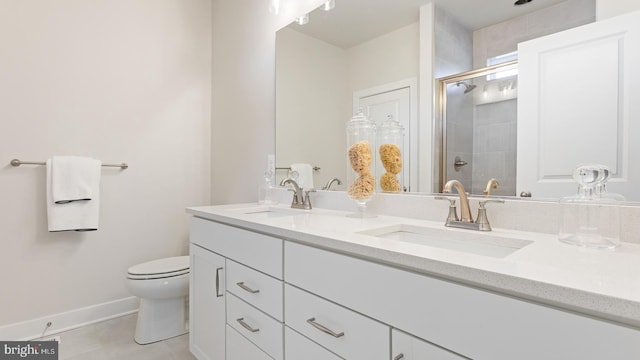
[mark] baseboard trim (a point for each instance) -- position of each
(37, 328)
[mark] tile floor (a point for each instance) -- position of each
(113, 339)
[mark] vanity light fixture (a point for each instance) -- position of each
(274, 6)
(329, 5)
(303, 20)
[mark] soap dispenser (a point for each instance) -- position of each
(591, 218)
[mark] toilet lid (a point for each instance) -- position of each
(167, 267)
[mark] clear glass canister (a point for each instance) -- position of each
(390, 143)
(361, 157)
(591, 218)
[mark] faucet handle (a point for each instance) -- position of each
(307, 200)
(482, 203)
(452, 202)
(453, 212)
(482, 220)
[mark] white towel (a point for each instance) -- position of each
(305, 175)
(73, 178)
(76, 182)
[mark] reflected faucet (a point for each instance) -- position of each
(465, 212)
(300, 199)
(492, 184)
(330, 182)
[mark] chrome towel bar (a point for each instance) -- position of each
(315, 168)
(16, 162)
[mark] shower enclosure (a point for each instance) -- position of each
(477, 117)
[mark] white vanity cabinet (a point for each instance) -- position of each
(236, 293)
(474, 323)
(255, 296)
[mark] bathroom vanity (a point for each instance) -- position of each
(278, 283)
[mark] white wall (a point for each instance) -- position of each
(117, 81)
(386, 59)
(610, 8)
(243, 93)
(313, 104)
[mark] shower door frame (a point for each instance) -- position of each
(441, 110)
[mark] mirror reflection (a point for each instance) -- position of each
(478, 110)
(328, 67)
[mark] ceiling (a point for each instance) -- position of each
(354, 21)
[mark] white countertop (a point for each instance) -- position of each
(601, 283)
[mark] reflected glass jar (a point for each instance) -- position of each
(361, 159)
(390, 144)
(591, 218)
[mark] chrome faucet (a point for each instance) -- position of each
(466, 221)
(301, 198)
(330, 182)
(492, 184)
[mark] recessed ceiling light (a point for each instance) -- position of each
(522, 2)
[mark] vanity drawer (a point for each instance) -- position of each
(256, 288)
(256, 250)
(256, 326)
(340, 330)
(239, 348)
(297, 346)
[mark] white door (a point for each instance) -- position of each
(578, 103)
(400, 101)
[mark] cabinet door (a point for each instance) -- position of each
(206, 304)
(578, 94)
(407, 347)
(239, 348)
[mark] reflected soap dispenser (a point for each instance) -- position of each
(266, 195)
(591, 218)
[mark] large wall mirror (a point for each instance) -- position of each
(324, 67)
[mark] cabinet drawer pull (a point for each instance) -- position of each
(246, 326)
(399, 356)
(246, 288)
(218, 282)
(324, 329)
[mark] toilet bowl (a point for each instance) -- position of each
(162, 286)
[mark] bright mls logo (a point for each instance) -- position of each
(43, 350)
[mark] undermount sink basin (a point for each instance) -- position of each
(465, 241)
(267, 211)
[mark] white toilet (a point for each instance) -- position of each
(162, 286)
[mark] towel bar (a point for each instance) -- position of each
(315, 168)
(16, 162)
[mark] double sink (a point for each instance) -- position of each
(466, 241)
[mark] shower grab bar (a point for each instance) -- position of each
(16, 162)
